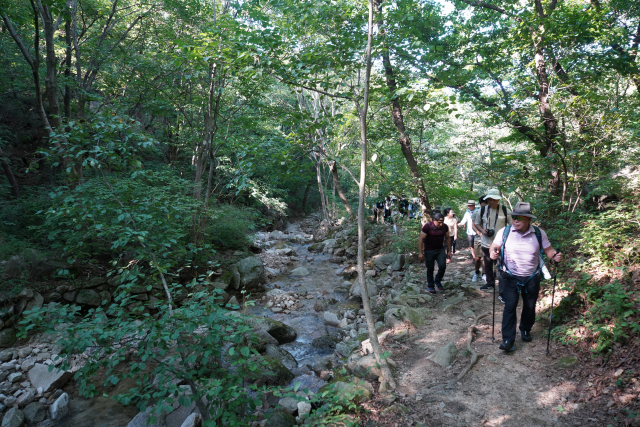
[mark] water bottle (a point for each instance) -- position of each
(545, 272)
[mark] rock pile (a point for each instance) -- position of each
(280, 301)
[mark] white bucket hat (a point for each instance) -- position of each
(494, 194)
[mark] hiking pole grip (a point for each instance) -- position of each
(553, 293)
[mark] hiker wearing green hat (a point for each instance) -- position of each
(491, 218)
(519, 248)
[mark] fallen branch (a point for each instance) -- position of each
(474, 355)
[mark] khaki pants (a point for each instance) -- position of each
(477, 249)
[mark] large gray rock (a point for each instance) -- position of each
(289, 404)
(280, 331)
(280, 419)
(35, 302)
(451, 302)
(345, 348)
(324, 342)
(329, 244)
(444, 355)
(235, 277)
(35, 413)
(308, 382)
(352, 391)
(331, 319)
(367, 368)
(60, 407)
(13, 418)
(6, 355)
(16, 266)
(398, 263)
(384, 261)
(88, 297)
(396, 316)
(300, 272)
(282, 355)
(7, 337)
(40, 376)
(275, 373)
(372, 289)
(371, 243)
(251, 272)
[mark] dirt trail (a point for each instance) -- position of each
(522, 388)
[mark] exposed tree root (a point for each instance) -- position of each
(474, 355)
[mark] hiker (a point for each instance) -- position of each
(519, 248)
(490, 219)
(432, 238)
(472, 236)
(387, 209)
(477, 245)
(452, 222)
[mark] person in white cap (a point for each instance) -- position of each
(491, 218)
(520, 247)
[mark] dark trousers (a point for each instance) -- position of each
(488, 267)
(470, 240)
(511, 295)
(430, 258)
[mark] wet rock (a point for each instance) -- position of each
(310, 383)
(7, 337)
(444, 356)
(282, 355)
(325, 342)
(447, 304)
(300, 272)
(251, 271)
(280, 419)
(34, 413)
(277, 235)
(320, 305)
(281, 332)
(13, 418)
(331, 319)
(318, 247)
(40, 376)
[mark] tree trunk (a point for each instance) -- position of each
(305, 198)
(398, 120)
(51, 61)
(321, 190)
(67, 70)
(15, 189)
(366, 302)
(336, 182)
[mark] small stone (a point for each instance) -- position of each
(6, 355)
(24, 352)
(26, 398)
(276, 309)
(13, 418)
(28, 364)
(34, 413)
(15, 377)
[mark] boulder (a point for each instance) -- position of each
(36, 302)
(372, 289)
(15, 267)
(352, 391)
(281, 332)
(411, 300)
(280, 419)
(289, 405)
(444, 355)
(384, 261)
(60, 407)
(398, 263)
(300, 272)
(304, 409)
(396, 316)
(367, 367)
(234, 282)
(27, 397)
(141, 420)
(320, 305)
(277, 235)
(331, 318)
(251, 272)
(6, 355)
(7, 337)
(88, 297)
(351, 251)
(13, 418)
(35, 413)
(329, 245)
(311, 383)
(282, 355)
(40, 376)
(275, 373)
(371, 243)
(193, 420)
(345, 348)
(317, 247)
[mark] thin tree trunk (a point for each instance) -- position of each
(305, 198)
(321, 190)
(15, 189)
(336, 183)
(67, 70)
(366, 302)
(51, 61)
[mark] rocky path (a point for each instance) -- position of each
(523, 388)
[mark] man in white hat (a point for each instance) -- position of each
(519, 248)
(491, 218)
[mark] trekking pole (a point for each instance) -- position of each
(493, 318)
(553, 293)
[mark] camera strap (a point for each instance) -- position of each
(488, 217)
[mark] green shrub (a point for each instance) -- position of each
(230, 226)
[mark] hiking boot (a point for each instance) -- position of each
(526, 336)
(475, 277)
(439, 286)
(507, 346)
(500, 298)
(431, 290)
(487, 287)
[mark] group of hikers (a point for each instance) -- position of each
(389, 208)
(505, 246)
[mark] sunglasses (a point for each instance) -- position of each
(519, 218)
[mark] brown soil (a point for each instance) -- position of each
(522, 388)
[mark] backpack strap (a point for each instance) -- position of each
(505, 236)
(504, 209)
